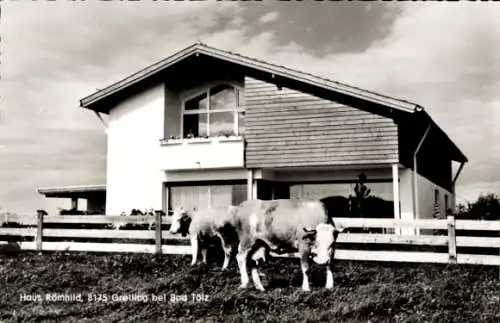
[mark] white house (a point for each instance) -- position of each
(206, 127)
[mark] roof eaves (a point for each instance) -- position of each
(145, 72)
(309, 78)
(461, 156)
(67, 189)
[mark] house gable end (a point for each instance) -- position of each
(204, 61)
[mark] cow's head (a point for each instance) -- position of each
(323, 239)
(260, 256)
(180, 222)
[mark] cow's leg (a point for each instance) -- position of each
(256, 279)
(255, 273)
(204, 254)
(329, 278)
(241, 257)
(227, 251)
(259, 256)
(194, 249)
(329, 273)
(227, 256)
(304, 265)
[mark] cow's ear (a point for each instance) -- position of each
(310, 237)
(310, 231)
(310, 234)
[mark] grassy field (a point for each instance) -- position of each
(364, 292)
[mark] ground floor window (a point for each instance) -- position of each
(319, 191)
(322, 190)
(200, 197)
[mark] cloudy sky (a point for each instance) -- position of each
(444, 56)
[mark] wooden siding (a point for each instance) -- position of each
(287, 128)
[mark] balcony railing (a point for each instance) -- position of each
(202, 153)
(186, 141)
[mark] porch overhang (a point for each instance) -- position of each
(83, 191)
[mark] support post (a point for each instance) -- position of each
(415, 174)
(39, 230)
(395, 194)
(167, 200)
(455, 178)
(250, 183)
(102, 120)
(452, 240)
(74, 203)
(453, 183)
(158, 232)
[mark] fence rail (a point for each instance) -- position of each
(113, 227)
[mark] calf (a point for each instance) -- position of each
(281, 226)
(203, 225)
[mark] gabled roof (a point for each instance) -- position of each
(276, 72)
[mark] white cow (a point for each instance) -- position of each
(202, 225)
(285, 226)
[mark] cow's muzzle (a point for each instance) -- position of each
(320, 259)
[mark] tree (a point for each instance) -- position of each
(486, 207)
(361, 190)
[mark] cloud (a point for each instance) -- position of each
(442, 56)
(54, 54)
(269, 17)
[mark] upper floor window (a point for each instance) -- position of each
(219, 111)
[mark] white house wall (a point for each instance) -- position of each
(135, 128)
(425, 197)
(406, 197)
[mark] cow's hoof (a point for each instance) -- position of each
(329, 287)
(243, 286)
(306, 289)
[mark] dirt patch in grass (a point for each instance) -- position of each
(376, 292)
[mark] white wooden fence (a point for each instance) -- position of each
(39, 235)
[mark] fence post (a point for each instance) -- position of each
(158, 233)
(39, 230)
(452, 239)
